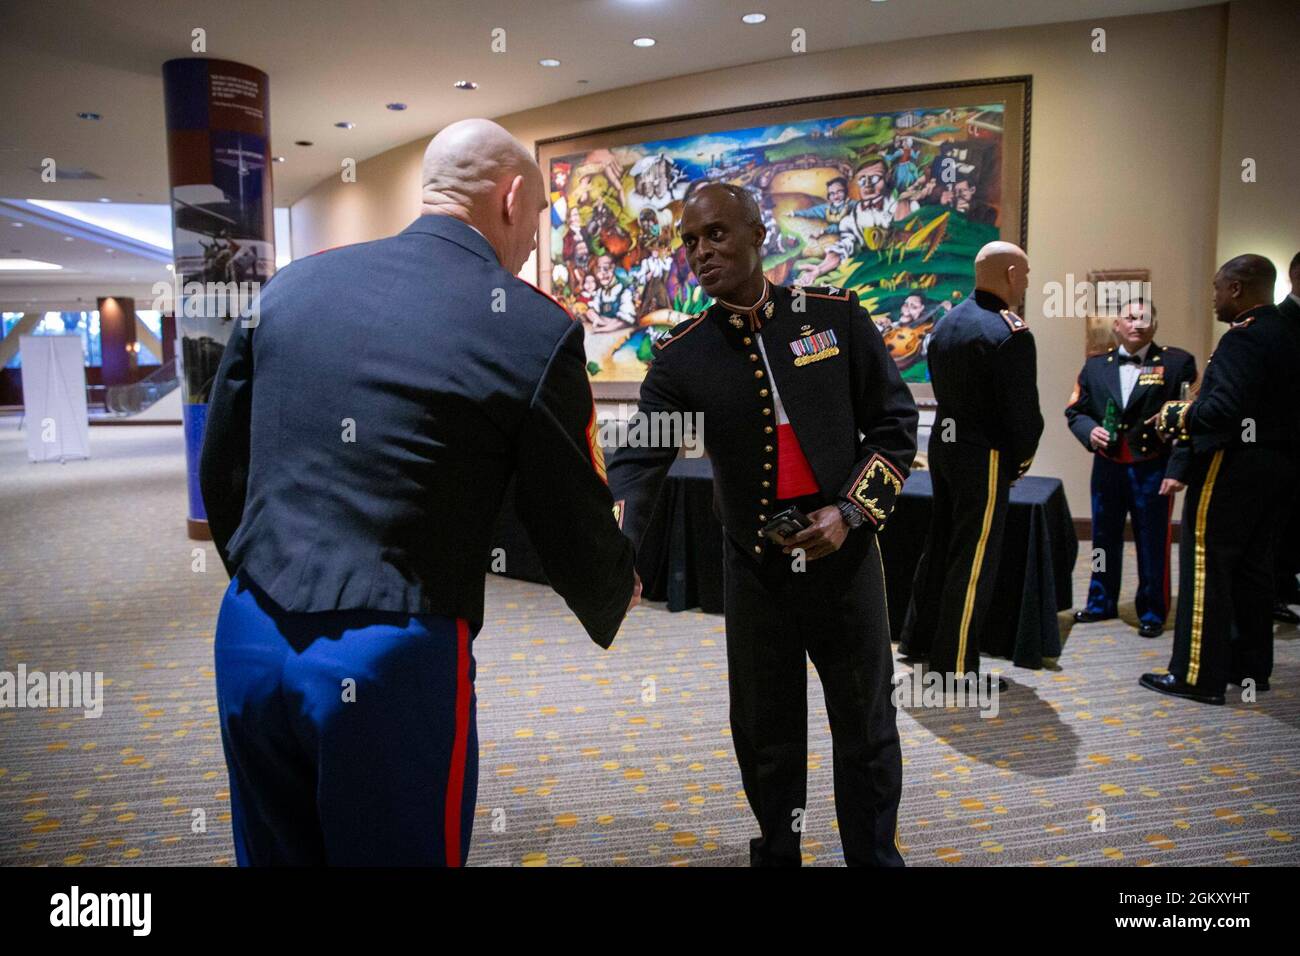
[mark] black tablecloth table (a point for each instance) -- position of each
(680, 560)
(1035, 568)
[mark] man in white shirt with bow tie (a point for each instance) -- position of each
(1134, 472)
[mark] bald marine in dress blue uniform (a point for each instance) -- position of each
(359, 442)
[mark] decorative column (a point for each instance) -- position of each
(223, 235)
(117, 340)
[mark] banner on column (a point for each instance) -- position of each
(218, 152)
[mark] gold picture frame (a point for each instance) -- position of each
(632, 178)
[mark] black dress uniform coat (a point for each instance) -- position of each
(854, 417)
(856, 424)
(361, 436)
(1286, 562)
(983, 366)
(1244, 429)
(1163, 372)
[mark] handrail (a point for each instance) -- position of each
(136, 397)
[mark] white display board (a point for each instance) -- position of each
(54, 397)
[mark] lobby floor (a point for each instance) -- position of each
(576, 769)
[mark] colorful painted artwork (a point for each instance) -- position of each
(892, 204)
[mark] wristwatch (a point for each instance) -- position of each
(852, 516)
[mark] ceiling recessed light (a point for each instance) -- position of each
(754, 17)
(395, 107)
(277, 159)
(465, 85)
(345, 124)
(644, 41)
(89, 116)
(16, 225)
(303, 142)
(170, 268)
(549, 61)
(104, 199)
(67, 238)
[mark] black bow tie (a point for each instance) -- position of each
(1128, 359)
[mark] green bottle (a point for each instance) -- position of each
(1111, 422)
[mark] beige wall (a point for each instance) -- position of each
(1261, 121)
(1124, 161)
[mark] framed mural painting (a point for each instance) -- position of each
(889, 193)
(1112, 289)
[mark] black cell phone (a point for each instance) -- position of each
(785, 524)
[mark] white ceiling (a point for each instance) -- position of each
(332, 60)
(121, 249)
(95, 262)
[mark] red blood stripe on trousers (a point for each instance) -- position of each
(456, 774)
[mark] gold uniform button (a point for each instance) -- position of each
(758, 373)
(767, 484)
(768, 449)
(758, 549)
(753, 357)
(767, 429)
(762, 501)
(762, 393)
(748, 340)
(762, 517)
(767, 411)
(767, 466)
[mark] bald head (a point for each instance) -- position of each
(745, 205)
(477, 172)
(722, 233)
(1003, 269)
(1241, 284)
(1255, 274)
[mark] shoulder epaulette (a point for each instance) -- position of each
(1014, 322)
(679, 330)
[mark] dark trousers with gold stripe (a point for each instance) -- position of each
(833, 612)
(955, 578)
(1236, 497)
(1286, 554)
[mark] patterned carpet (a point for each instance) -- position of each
(576, 769)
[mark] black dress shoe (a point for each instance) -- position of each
(1284, 615)
(1260, 685)
(1171, 685)
(1151, 630)
(1087, 617)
